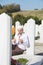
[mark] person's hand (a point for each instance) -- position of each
(20, 40)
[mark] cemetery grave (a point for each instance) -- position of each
(6, 40)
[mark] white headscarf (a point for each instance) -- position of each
(20, 27)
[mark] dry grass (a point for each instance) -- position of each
(38, 13)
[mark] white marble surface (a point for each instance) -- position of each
(29, 29)
(5, 39)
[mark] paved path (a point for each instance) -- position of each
(39, 49)
(35, 60)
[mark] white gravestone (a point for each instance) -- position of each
(41, 33)
(37, 34)
(5, 39)
(29, 29)
(36, 30)
(16, 25)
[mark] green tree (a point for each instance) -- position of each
(37, 21)
(1, 6)
(11, 8)
(28, 17)
(20, 18)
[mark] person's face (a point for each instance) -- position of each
(20, 31)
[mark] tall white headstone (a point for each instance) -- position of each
(5, 39)
(16, 25)
(36, 30)
(41, 33)
(42, 22)
(29, 29)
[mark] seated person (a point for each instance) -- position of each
(20, 42)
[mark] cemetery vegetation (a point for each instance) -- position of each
(17, 14)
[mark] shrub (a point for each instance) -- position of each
(1, 6)
(10, 14)
(37, 21)
(28, 17)
(22, 60)
(20, 18)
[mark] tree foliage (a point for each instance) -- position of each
(10, 8)
(1, 6)
(23, 19)
(20, 18)
(37, 21)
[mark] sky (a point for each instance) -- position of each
(25, 4)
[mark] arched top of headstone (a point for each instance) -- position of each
(42, 22)
(17, 23)
(30, 20)
(37, 25)
(4, 15)
(5, 18)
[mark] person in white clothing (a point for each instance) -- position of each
(20, 42)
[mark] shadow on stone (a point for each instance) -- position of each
(41, 54)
